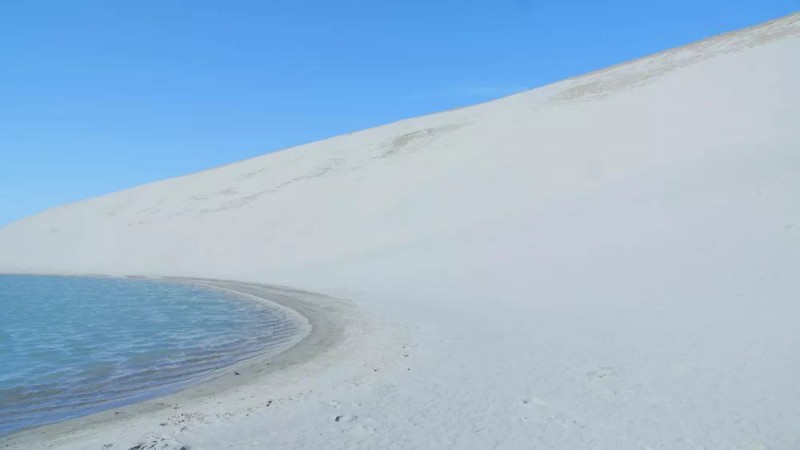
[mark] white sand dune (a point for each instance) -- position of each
(612, 261)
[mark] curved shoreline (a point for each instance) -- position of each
(326, 316)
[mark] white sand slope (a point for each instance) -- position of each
(612, 261)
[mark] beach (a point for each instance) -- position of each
(609, 261)
(241, 384)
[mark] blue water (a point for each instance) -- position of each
(73, 346)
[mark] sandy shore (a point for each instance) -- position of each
(328, 319)
(607, 262)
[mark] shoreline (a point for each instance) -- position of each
(327, 320)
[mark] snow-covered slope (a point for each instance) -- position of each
(612, 261)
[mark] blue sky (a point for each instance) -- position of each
(98, 96)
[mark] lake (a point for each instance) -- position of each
(72, 346)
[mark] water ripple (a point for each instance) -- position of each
(73, 346)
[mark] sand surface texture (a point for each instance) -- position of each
(612, 261)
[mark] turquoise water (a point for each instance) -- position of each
(73, 346)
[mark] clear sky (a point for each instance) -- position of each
(97, 96)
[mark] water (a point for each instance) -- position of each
(74, 346)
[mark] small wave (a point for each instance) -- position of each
(75, 346)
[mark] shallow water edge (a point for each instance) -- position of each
(81, 345)
(328, 319)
